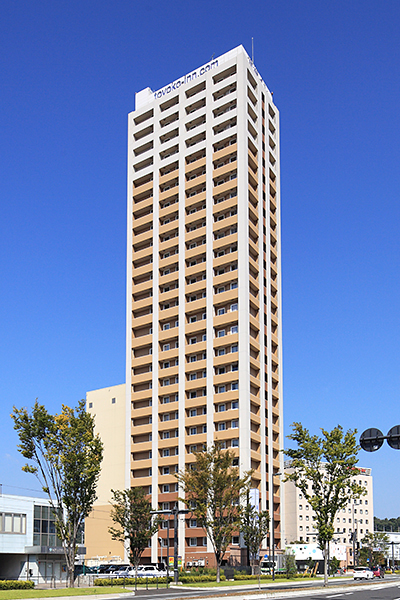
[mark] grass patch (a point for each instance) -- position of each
(238, 583)
(90, 591)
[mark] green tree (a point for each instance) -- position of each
(290, 564)
(374, 548)
(322, 468)
(254, 528)
(213, 491)
(65, 456)
(132, 511)
(334, 564)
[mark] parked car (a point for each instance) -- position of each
(127, 571)
(362, 573)
(378, 572)
(150, 571)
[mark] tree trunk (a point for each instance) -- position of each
(71, 576)
(218, 571)
(326, 557)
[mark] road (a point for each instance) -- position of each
(389, 589)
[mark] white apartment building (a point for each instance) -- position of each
(357, 516)
(204, 345)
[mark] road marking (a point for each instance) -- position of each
(335, 596)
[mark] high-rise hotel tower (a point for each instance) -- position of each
(204, 324)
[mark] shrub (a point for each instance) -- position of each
(17, 584)
(198, 578)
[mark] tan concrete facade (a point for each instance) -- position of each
(108, 407)
(357, 516)
(204, 346)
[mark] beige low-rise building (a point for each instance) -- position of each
(357, 516)
(108, 406)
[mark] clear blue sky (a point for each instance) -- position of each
(69, 72)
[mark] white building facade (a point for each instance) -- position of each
(356, 518)
(29, 548)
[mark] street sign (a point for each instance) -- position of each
(371, 439)
(393, 437)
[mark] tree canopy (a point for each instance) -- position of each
(374, 546)
(65, 456)
(213, 492)
(131, 510)
(253, 527)
(323, 469)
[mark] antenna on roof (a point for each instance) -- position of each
(252, 50)
(212, 58)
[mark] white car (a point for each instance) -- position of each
(362, 573)
(150, 571)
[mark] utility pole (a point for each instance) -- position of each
(175, 511)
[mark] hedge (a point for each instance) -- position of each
(16, 584)
(199, 578)
(129, 580)
(183, 578)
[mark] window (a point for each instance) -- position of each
(16, 522)
(221, 333)
(234, 348)
(193, 319)
(193, 376)
(221, 389)
(221, 311)
(193, 340)
(193, 394)
(90, 404)
(234, 307)
(235, 443)
(193, 431)
(234, 329)
(221, 426)
(166, 435)
(235, 540)
(193, 412)
(235, 404)
(166, 326)
(235, 424)
(235, 385)
(235, 367)
(165, 470)
(193, 523)
(166, 347)
(165, 488)
(166, 452)
(192, 541)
